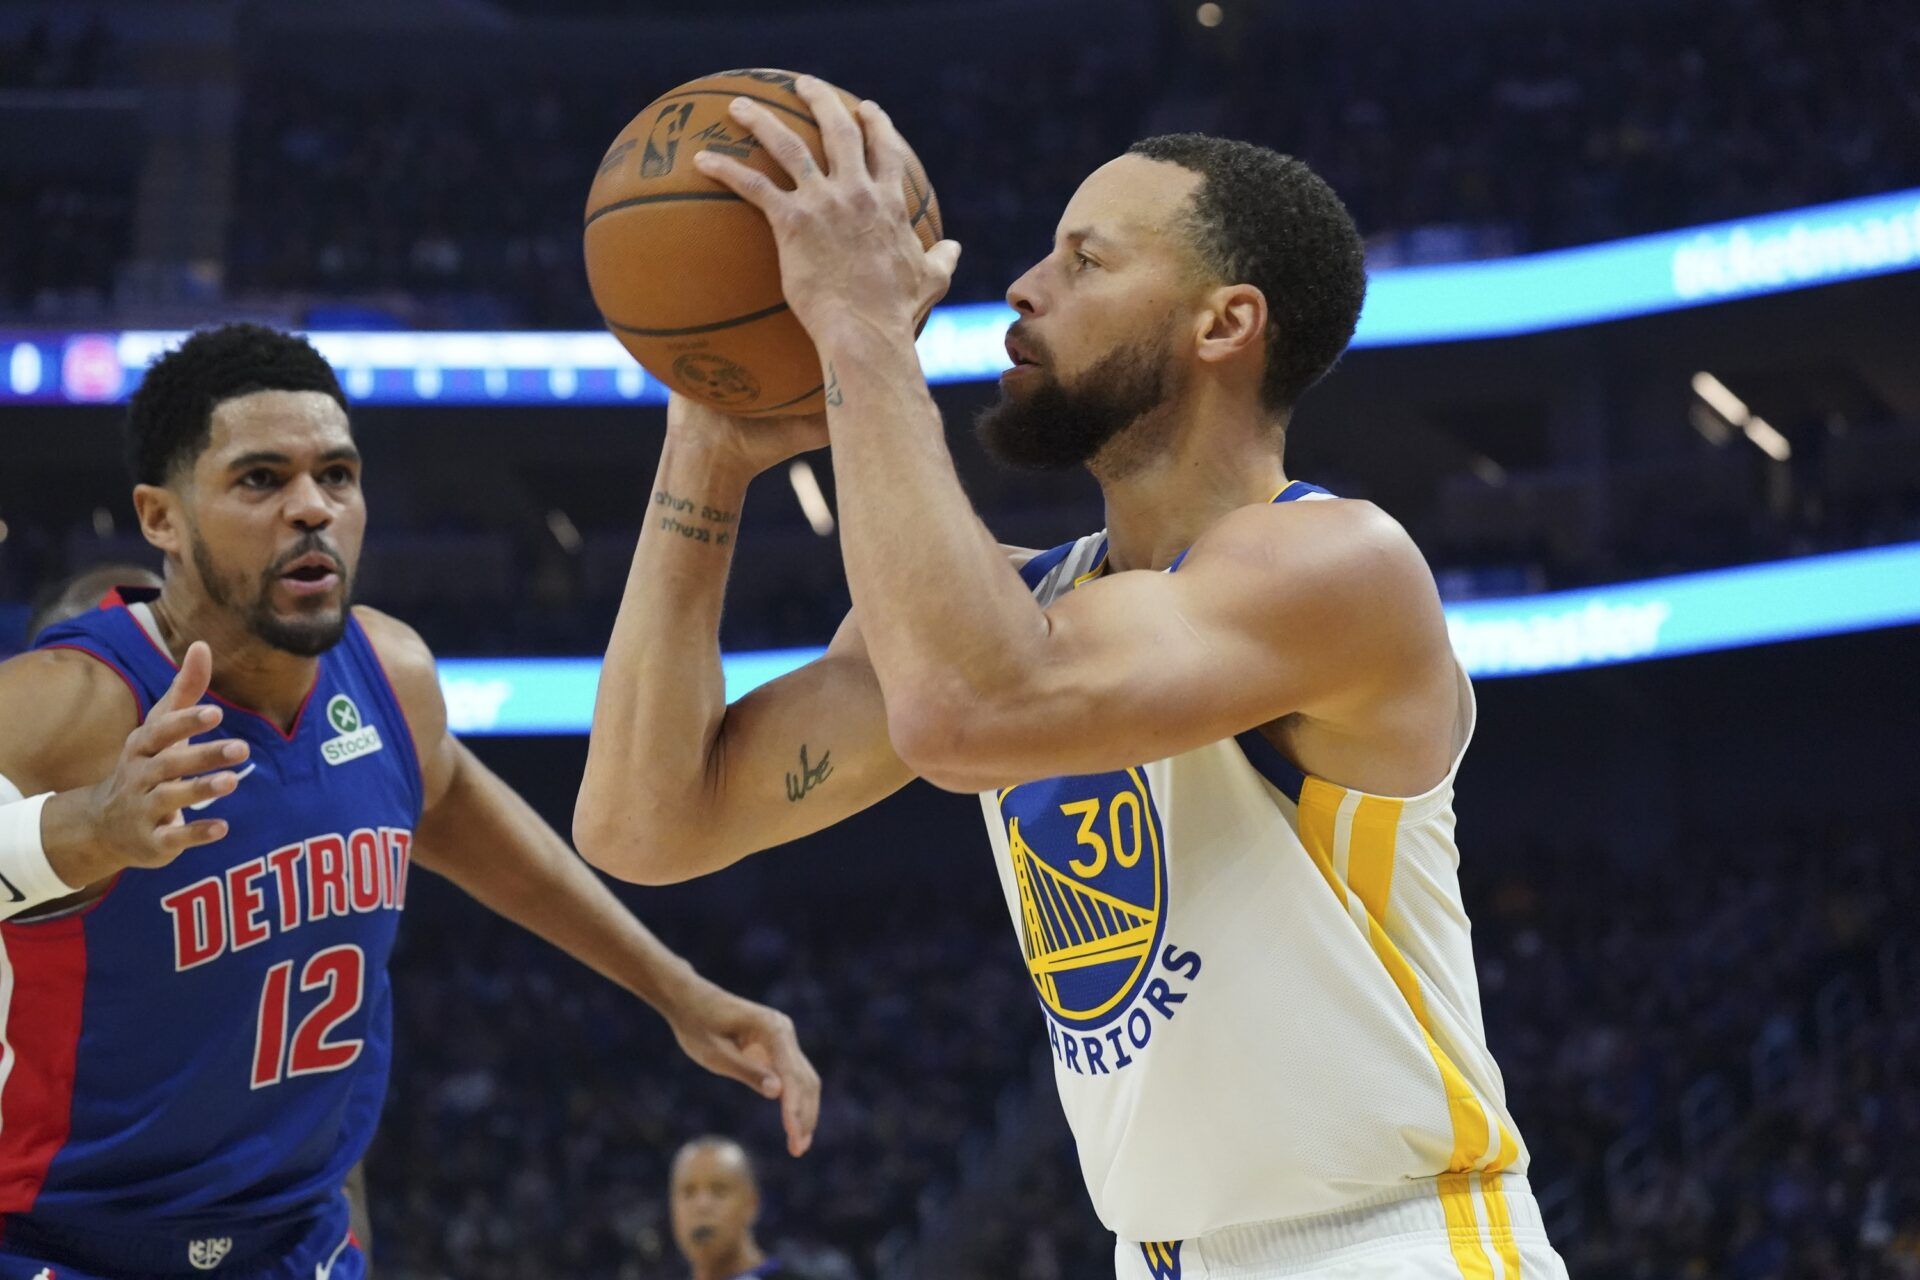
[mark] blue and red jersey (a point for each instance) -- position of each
(200, 1055)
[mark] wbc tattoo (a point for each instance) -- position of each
(810, 776)
(834, 396)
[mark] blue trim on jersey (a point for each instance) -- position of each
(1270, 764)
(1041, 565)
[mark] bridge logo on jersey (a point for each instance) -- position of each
(1163, 1258)
(1089, 861)
(205, 1255)
(355, 739)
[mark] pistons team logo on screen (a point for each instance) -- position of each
(1090, 865)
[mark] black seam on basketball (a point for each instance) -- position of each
(751, 316)
(926, 198)
(668, 195)
(769, 408)
(729, 93)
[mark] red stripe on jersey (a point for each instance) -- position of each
(43, 981)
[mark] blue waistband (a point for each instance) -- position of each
(177, 1250)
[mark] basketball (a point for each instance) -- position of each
(685, 272)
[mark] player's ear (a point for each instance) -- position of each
(158, 510)
(1232, 322)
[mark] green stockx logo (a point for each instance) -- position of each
(355, 739)
(342, 714)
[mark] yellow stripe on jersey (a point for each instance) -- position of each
(1370, 852)
(1463, 1227)
(1500, 1225)
(1319, 806)
(1371, 841)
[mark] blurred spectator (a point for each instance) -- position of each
(714, 1199)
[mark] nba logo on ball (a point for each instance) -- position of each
(663, 144)
(1089, 864)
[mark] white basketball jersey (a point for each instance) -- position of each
(1258, 987)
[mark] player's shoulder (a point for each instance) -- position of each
(67, 681)
(406, 658)
(1335, 538)
(67, 713)
(393, 640)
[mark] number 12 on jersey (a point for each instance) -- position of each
(342, 971)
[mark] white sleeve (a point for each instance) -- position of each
(27, 879)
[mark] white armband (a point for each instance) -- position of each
(27, 879)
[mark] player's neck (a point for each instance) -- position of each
(728, 1265)
(246, 671)
(1212, 462)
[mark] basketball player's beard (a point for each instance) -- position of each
(1058, 425)
(303, 637)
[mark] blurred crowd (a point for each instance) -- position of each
(1567, 127)
(67, 54)
(534, 1107)
(455, 202)
(65, 222)
(1446, 140)
(1722, 1057)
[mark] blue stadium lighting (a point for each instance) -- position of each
(1406, 306)
(1525, 635)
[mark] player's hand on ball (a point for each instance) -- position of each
(848, 252)
(756, 443)
(755, 1045)
(136, 814)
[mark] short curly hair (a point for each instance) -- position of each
(1266, 219)
(170, 418)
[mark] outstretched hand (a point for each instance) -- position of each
(848, 251)
(755, 1045)
(136, 817)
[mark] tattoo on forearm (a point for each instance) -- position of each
(834, 397)
(701, 523)
(810, 776)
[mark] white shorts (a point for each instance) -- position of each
(1471, 1232)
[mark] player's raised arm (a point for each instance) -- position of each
(1324, 610)
(478, 832)
(677, 782)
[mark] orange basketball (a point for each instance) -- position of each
(685, 272)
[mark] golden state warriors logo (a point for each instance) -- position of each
(1090, 865)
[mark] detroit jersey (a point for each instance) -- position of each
(190, 1066)
(1258, 986)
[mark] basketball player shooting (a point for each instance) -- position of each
(1215, 743)
(227, 778)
